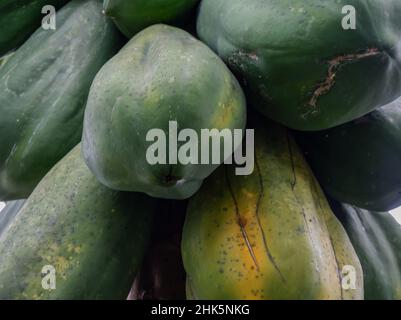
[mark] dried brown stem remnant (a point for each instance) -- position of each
(334, 64)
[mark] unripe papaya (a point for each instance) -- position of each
(134, 15)
(270, 235)
(90, 238)
(376, 237)
(43, 90)
(20, 18)
(357, 163)
(162, 76)
(309, 64)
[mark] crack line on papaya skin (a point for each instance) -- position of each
(337, 267)
(261, 193)
(334, 65)
(294, 181)
(293, 184)
(332, 246)
(239, 221)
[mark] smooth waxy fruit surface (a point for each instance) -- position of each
(44, 86)
(8, 213)
(162, 75)
(135, 15)
(299, 66)
(376, 237)
(358, 162)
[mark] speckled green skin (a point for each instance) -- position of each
(376, 237)
(135, 15)
(43, 90)
(163, 74)
(93, 236)
(358, 162)
(281, 50)
(9, 212)
(270, 235)
(189, 290)
(19, 19)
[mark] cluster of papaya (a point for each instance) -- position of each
(111, 187)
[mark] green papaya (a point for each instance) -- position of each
(357, 162)
(162, 78)
(135, 15)
(44, 86)
(19, 19)
(8, 213)
(302, 62)
(270, 235)
(376, 237)
(93, 237)
(189, 291)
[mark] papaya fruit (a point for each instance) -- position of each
(355, 163)
(19, 19)
(376, 237)
(4, 58)
(94, 238)
(135, 15)
(189, 291)
(44, 86)
(270, 235)
(8, 213)
(162, 77)
(302, 62)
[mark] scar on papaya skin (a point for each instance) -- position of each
(240, 221)
(261, 193)
(293, 184)
(169, 178)
(334, 65)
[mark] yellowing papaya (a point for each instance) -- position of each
(270, 235)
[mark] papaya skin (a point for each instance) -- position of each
(44, 86)
(135, 15)
(376, 237)
(163, 74)
(94, 237)
(270, 235)
(20, 18)
(298, 65)
(355, 162)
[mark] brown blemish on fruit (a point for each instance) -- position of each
(240, 222)
(334, 65)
